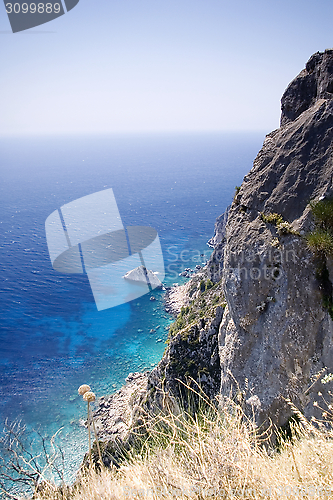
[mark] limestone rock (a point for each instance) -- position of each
(142, 275)
(215, 265)
(115, 414)
(192, 355)
(219, 232)
(275, 334)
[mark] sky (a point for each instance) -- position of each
(158, 65)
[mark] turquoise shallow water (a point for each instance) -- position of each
(53, 339)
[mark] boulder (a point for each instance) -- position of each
(142, 275)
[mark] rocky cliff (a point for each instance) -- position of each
(254, 321)
(276, 335)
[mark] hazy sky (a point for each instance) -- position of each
(158, 65)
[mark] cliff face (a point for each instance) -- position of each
(275, 335)
(275, 332)
(253, 322)
(192, 352)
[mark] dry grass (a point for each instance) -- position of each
(217, 454)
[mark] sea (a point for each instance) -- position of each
(53, 338)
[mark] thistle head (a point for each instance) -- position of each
(89, 396)
(83, 389)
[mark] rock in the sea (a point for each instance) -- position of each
(143, 275)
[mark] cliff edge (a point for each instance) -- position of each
(265, 309)
(255, 322)
(276, 336)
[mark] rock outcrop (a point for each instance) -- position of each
(142, 275)
(253, 322)
(115, 414)
(275, 337)
(192, 355)
(219, 230)
(275, 334)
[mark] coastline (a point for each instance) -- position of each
(176, 297)
(115, 413)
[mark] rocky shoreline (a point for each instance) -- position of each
(243, 331)
(175, 298)
(114, 414)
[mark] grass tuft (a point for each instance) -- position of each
(216, 453)
(320, 241)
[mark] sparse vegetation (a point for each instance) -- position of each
(322, 212)
(237, 189)
(321, 239)
(184, 318)
(27, 461)
(202, 286)
(88, 396)
(209, 284)
(272, 218)
(217, 453)
(283, 227)
(206, 296)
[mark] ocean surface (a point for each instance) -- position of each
(53, 339)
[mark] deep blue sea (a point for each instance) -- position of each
(53, 339)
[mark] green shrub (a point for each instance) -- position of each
(202, 286)
(322, 212)
(272, 218)
(209, 284)
(237, 189)
(320, 241)
(216, 299)
(282, 226)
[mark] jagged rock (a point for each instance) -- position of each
(192, 354)
(219, 232)
(176, 297)
(315, 82)
(215, 264)
(118, 411)
(141, 275)
(275, 334)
